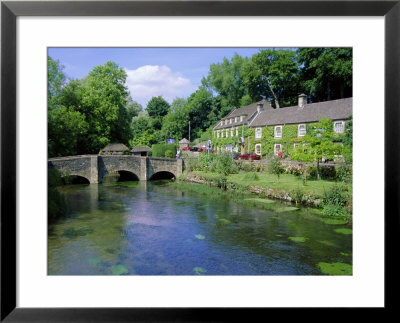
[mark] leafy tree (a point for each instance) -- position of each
(55, 81)
(157, 107)
(274, 74)
(318, 143)
(227, 78)
(133, 108)
(175, 123)
(326, 72)
(104, 100)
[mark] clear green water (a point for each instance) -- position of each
(152, 228)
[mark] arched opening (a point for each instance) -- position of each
(162, 175)
(120, 176)
(74, 179)
(125, 176)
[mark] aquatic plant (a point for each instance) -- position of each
(119, 270)
(199, 270)
(199, 236)
(344, 231)
(335, 268)
(298, 239)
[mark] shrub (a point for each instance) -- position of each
(205, 161)
(328, 172)
(297, 195)
(192, 164)
(336, 211)
(337, 195)
(344, 174)
(169, 154)
(57, 205)
(296, 170)
(224, 164)
(275, 167)
(159, 150)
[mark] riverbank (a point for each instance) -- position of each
(289, 188)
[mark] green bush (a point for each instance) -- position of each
(297, 195)
(159, 150)
(56, 203)
(327, 172)
(169, 154)
(336, 211)
(250, 177)
(224, 164)
(337, 195)
(192, 164)
(344, 174)
(275, 167)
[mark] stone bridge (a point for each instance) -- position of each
(95, 167)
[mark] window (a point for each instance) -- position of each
(231, 132)
(226, 133)
(338, 126)
(230, 120)
(236, 119)
(222, 123)
(257, 149)
(241, 118)
(278, 132)
(226, 121)
(295, 146)
(222, 134)
(301, 131)
(218, 134)
(277, 148)
(237, 131)
(258, 133)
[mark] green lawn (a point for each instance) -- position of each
(287, 182)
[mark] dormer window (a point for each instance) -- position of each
(222, 123)
(301, 130)
(230, 121)
(236, 119)
(241, 118)
(278, 132)
(226, 121)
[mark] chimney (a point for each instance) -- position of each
(302, 100)
(260, 106)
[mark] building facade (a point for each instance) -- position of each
(269, 130)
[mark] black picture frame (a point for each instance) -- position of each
(10, 10)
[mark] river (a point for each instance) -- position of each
(157, 228)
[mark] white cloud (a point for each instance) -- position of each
(154, 80)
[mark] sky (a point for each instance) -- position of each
(166, 72)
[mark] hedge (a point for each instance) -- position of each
(158, 150)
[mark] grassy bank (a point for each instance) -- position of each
(334, 198)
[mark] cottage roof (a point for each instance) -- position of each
(139, 149)
(313, 112)
(115, 147)
(248, 111)
(184, 141)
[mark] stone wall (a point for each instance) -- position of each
(94, 167)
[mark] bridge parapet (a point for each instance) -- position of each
(95, 167)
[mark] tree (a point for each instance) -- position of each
(226, 79)
(326, 72)
(319, 143)
(175, 124)
(274, 74)
(157, 108)
(55, 81)
(104, 100)
(133, 108)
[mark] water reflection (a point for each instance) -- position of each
(151, 228)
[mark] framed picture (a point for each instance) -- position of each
(207, 24)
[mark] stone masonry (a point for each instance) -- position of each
(94, 167)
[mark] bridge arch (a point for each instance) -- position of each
(75, 179)
(124, 175)
(162, 175)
